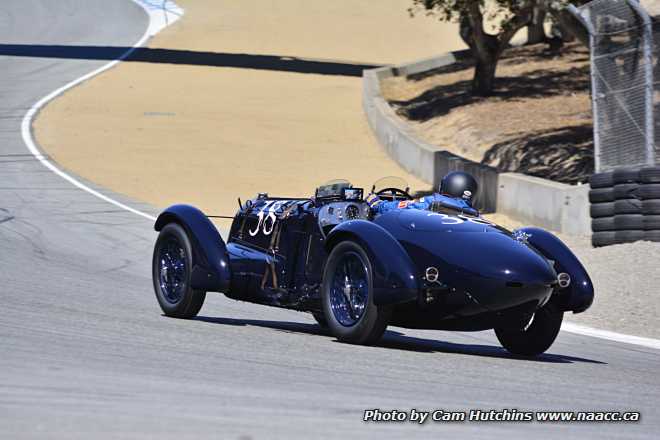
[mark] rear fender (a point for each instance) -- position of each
(394, 274)
(579, 295)
(211, 271)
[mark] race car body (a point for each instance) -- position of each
(358, 271)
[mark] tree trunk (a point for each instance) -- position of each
(483, 82)
(486, 53)
(535, 29)
(570, 27)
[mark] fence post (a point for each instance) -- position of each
(647, 54)
(592, 75)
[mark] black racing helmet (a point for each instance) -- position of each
(459, 184)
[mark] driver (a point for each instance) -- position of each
(457, 190)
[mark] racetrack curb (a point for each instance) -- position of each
(160, 15)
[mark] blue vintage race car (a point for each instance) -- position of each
(357, 273)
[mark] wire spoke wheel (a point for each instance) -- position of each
(349, 292)
(347, 296)
(172, 270)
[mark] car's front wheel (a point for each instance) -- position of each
(536, 336)
(347, 294)
(171, 268)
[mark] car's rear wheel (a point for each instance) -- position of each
(171, 268)
(347, 294)
(536, 336)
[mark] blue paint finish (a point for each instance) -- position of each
(211, 271)
(473, 256)
(579, 294)
(395, 275)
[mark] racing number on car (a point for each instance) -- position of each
(267, 218)
(452, 220)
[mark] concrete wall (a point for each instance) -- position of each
(551, 205)
(544, 203)
(420, 158)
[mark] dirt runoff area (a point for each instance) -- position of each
(538, 121)
(238, 98)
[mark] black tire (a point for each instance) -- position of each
(628, 236)
(599, 239)
(598, 210)
(629, 206)
(628, 221)
(649, 175)
(600, 195)
(652, 236)
(181, 301)
(602, 180)
(651, 222)
(649, 191)
(371, 324)
(537, 337)
(602, 224)
(624, 191)
(625, 175)
(651, 207)
(319, 317)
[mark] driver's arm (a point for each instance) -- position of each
(379, 206)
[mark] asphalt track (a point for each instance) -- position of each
(86, 353)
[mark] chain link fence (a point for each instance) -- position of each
(623, 85)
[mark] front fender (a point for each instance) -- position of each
(579, 295)
(211, 271)
(394, 274)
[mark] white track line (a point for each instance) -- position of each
(162, 14)
(611, 336)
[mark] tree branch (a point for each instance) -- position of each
(517, 22)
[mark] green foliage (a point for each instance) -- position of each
(501, 11)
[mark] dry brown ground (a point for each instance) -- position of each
(177, 125)
(538, 122)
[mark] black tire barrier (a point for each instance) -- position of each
(628, 221)
(625, 191)
(652, 236)
(648, 191)
(625, 205)
(599, 195)
(598, 210)
(603, 238)
(650, 207)
(628, 236)
(649, 175)
(625, 175)
(623, 222)
(651, 222)
(602, 180)
(602, 224)
(628, 206)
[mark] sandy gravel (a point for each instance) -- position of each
(167, 133)
(626, 279)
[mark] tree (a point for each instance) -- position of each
(486, 47)
(535, 29)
